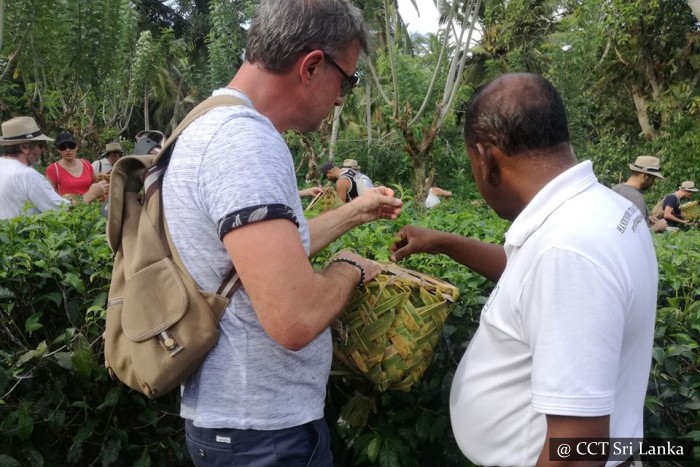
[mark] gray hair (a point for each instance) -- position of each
(283, 29)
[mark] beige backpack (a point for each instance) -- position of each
(657, 212)
(160, 324)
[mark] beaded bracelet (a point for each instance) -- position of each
(354, 263)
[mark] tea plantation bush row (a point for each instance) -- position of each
(59, 407)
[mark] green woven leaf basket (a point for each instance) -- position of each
(691, 211)
(389, 330)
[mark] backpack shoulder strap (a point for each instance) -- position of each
(231, 282)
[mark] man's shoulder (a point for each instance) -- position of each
(227, 121)
(670, 199)
(620, 187)
(625, 188)
(26, 172)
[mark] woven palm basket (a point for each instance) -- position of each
(691, 211)
(389, 330)
(325, 201)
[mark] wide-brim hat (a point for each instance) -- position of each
(112, 147)
(647, 165)
(21, 130)
(350, 164)
(688, 186)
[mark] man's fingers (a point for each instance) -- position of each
(400, 254)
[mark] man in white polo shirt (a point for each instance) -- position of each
(563, 348)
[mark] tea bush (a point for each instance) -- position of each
(59, 407)
(673, 398)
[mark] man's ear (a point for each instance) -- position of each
(489, 170)
(309, 65)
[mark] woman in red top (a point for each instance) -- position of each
(70, 175)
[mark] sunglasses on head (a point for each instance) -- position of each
(64, 146)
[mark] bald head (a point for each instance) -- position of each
(517, 113)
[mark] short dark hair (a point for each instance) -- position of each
(516, 116)
(282, 29)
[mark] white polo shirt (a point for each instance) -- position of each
(568, 329)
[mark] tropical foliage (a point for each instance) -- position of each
(628, 71)
(58, 405)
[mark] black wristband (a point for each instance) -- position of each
(354, 263)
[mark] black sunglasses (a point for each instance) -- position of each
(64, 146)
(349, 82)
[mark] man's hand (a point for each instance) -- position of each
(487, 259)
(412, 240)
(376, 203)
(311, 192)
(96, 190)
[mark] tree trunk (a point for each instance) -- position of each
(2, 20)
(640, 104)
(334, 131)
(146, 118)
(368, 110)
(693, 4)
(420, 191)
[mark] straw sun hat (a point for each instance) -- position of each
(647, 165)
(688, 186)
(21, 130)
(112, 147)
(350, 164)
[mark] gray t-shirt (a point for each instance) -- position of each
(634, 195)
(227, 168)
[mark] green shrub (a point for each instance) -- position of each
(673, 399)
(58, 405)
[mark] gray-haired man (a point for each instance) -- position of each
(230, 195)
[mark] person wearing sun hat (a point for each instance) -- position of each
(110, 155)
(22, 144)
(672, 204)
(349, 181)
(644, 173)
